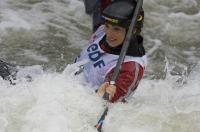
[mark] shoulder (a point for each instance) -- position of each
(97, 34)
(128, 69)
(131, 67)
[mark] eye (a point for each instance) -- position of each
(116, 28)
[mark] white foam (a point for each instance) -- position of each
(62, 102)
(51, 102)
(157, 106)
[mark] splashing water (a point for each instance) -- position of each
(45, 35)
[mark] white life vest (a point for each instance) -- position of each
(99, 62)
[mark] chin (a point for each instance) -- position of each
(112, 45)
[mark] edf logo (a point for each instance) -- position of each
(95, 56)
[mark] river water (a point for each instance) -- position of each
(44, 36)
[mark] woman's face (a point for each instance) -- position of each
(114, 34)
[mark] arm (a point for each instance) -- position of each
(127, 81)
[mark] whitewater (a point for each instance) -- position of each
(43, 37)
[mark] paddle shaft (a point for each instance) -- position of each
(120, 60)
(125, 46)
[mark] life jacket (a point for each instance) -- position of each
(100, 62)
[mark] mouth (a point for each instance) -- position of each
(111, 40)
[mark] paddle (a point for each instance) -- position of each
(120, 60)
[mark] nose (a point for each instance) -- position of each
(109, 32)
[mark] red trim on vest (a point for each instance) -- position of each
(125, 79)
